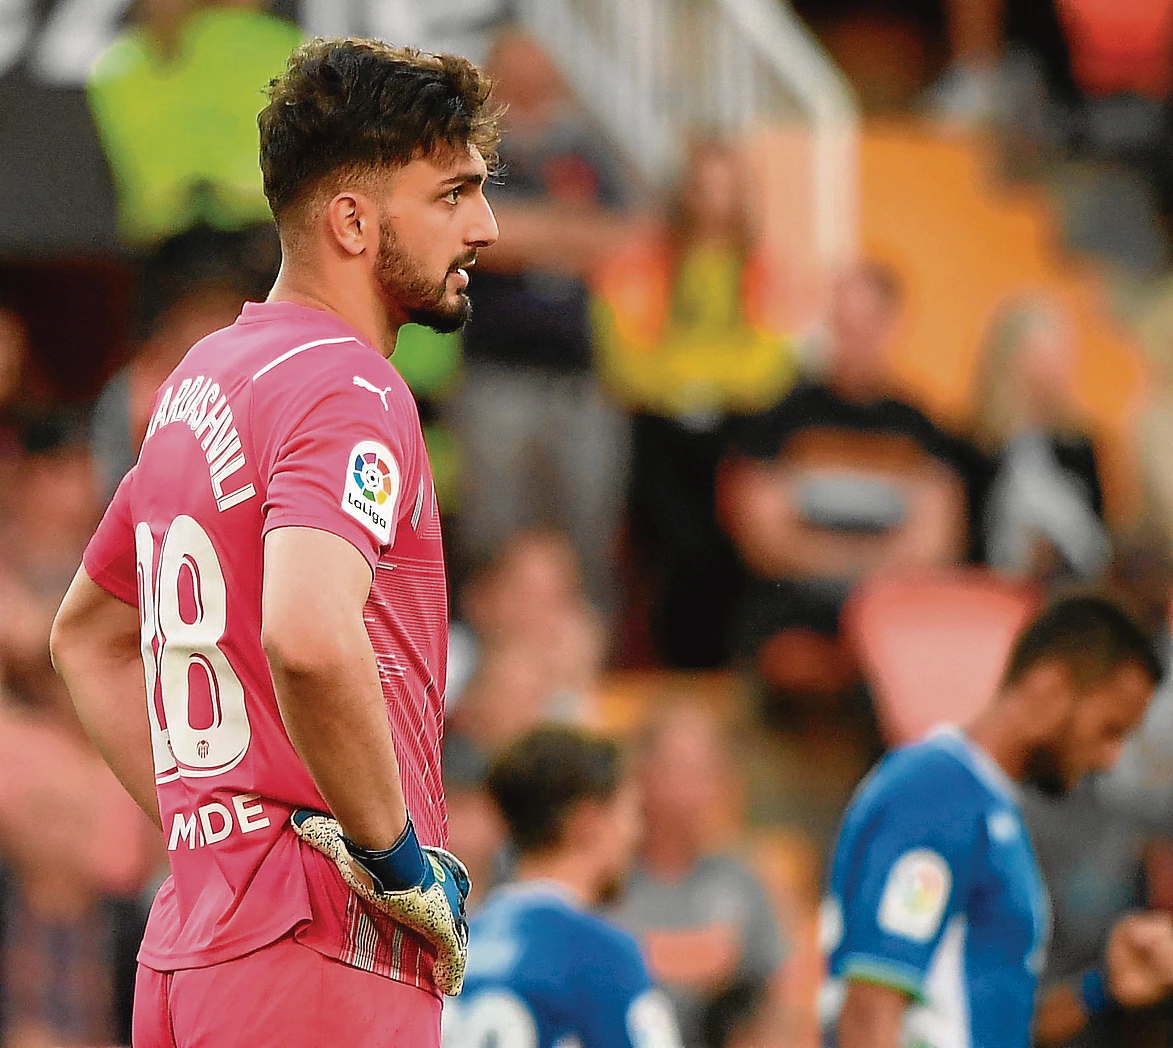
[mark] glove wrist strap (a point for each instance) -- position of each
(397, 868)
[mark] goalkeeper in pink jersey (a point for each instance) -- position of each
(257, 638)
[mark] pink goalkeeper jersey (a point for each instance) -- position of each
(287, 418)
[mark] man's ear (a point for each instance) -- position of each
(353, 222)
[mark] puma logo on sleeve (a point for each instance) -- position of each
(362, 383)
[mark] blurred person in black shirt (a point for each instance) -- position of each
(841, 479)
(543, 445)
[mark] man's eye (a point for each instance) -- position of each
(453, 195)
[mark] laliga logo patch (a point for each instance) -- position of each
(373, 475)
(371, 491)
(915, 895)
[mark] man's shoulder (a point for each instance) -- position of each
(551, 932)
(317, 359)
(932, 774)
(547, 916)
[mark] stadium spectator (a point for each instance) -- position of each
(39, 553)
(704, 920)
(74, 849)
(542, 969)
(543, 445)
(175, 101)
(839, 480)
(191, 285)
(969, 91)
(686, 339)
(1044, 511)
(537, 643)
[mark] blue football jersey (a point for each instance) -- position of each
(543, 973)
(935, 891)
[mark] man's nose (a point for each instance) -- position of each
(483, 230)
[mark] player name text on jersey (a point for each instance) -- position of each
(199, 403)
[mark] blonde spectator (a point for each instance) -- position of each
(1044, 513)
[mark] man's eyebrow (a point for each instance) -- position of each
(475, 178)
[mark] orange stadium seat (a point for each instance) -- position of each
(933, 647)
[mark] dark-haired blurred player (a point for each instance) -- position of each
(937, 922)
(542, 970)
(275, 554)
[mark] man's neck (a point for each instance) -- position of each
(351, 301)
(995, 733)
(565, 871)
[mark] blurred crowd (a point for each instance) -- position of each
(662, 507)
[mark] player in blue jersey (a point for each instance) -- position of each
(542, 970)
(937, 920)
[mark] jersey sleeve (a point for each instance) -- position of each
(899, 881)
(625, 1010)
(341, 460)
(109, 559)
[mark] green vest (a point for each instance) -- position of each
(181, 136)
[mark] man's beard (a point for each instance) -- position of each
(612, 891)
(1044, 771)
(404, 283)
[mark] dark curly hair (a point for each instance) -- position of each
(539, 779)
(345, 105)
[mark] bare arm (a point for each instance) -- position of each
(762, 517)
(95, 649)
(872, 1016)
(1060, 1016)
(327, 682)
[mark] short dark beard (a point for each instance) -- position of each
(612, 891)
(405, 284)
(1044, 771)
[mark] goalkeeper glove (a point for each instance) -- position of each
(421, 888)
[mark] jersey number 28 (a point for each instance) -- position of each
(183, 607)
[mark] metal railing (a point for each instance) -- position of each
(653, 72)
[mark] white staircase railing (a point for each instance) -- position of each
(654, 71)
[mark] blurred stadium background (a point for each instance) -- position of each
(822, 341)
